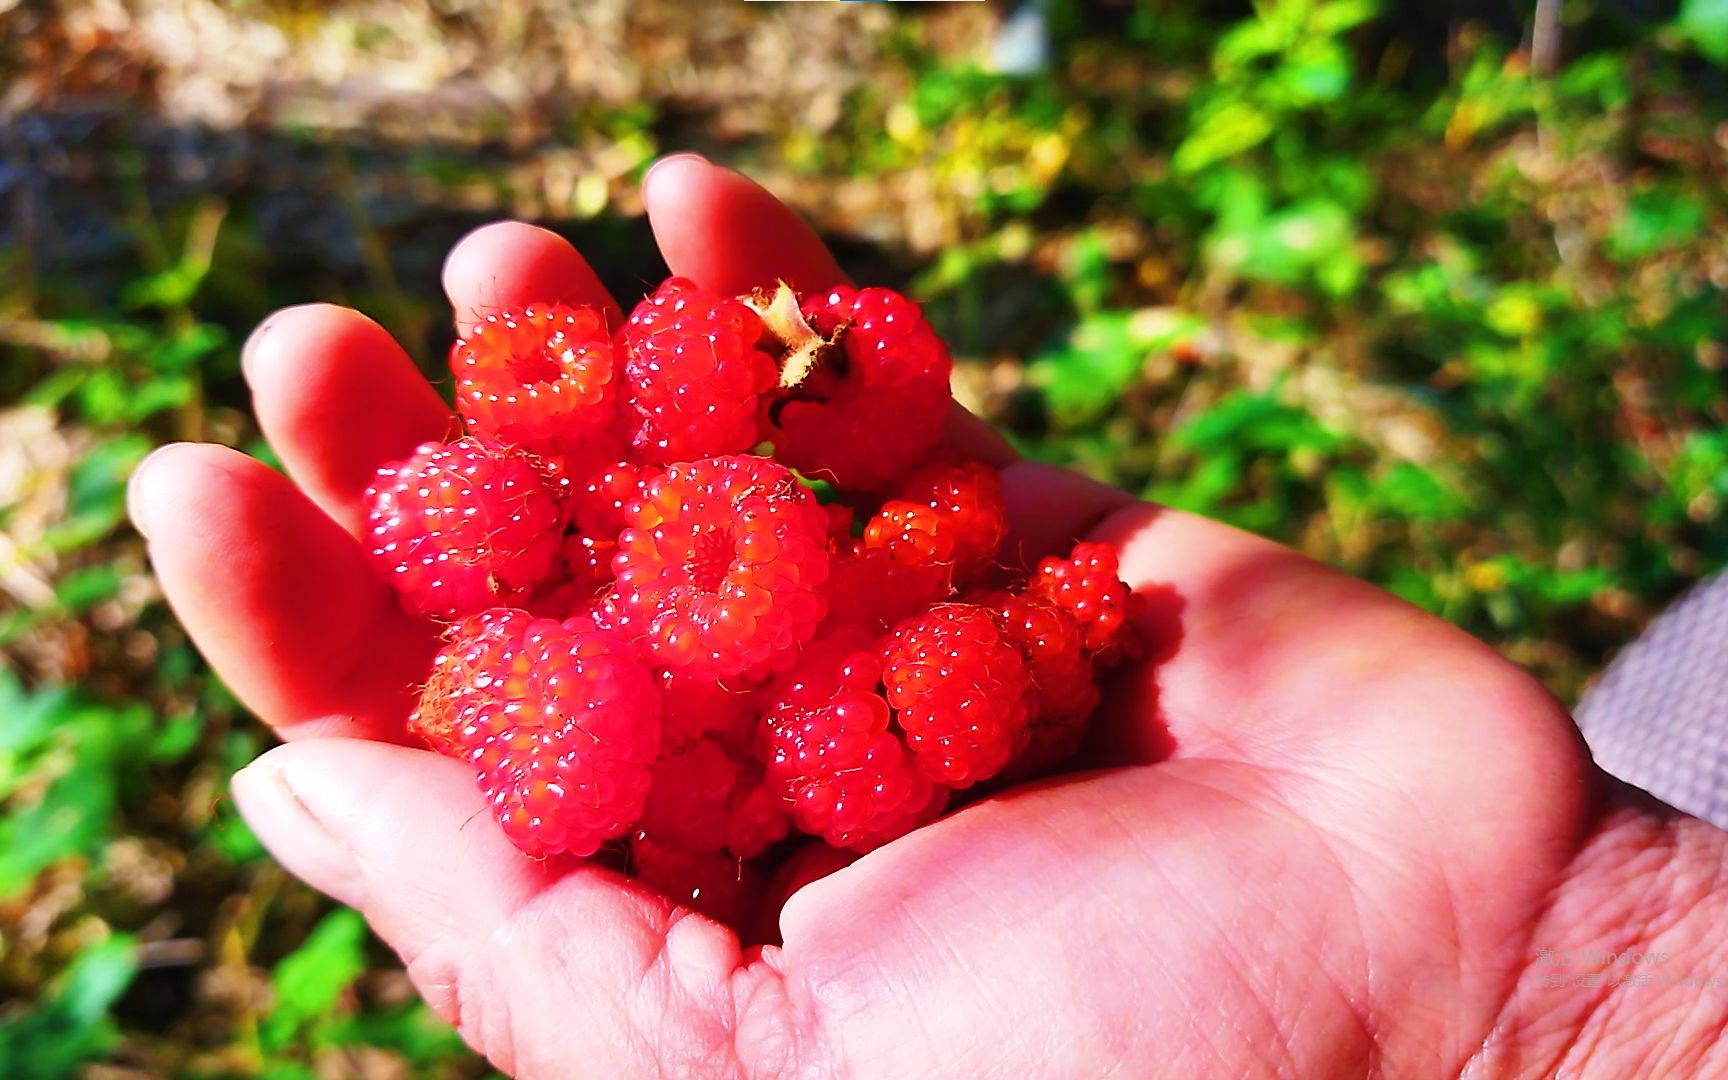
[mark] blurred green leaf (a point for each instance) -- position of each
(1407, 490)
(1705, 24)
(1336, 16)
(69, 1027)
(1222, 131)
(1318, 78)
(178, 352)
(61, 763)
(96, 492)
(1102, 357)
(84, 588)
(418, 1035)
(173, 287)
(309, 981)
(1311, 239)
(1088, 273)
(1603, 80)
(1655, 222)
(27, 721)
(1547, 584)
(177, 737)
(1206, 487)
(1411, 584)
(1700, 467)
(231, 838)
(1516, 312)
(1256, 420)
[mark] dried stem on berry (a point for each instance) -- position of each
(801, 349)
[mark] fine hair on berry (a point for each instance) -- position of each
(462, 526)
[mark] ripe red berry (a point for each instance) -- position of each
(868, 589)
(874, 409)
(480, 658)
(696, 655)
(704, 796)
(693, 375)
(943, 514)
(758, 818)
(588, 562)
(829, 750)
(596, 487)
(720, 566)
(1086, 586)
(603, 491)
(460, 527)
(841, 519)
(564, 741)
(693, 709)
(1062, 689)
(958, 688)
(540, 378)
(721, 887)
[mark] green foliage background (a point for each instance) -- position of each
(1358, 278)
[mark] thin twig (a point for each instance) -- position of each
(1545, 38)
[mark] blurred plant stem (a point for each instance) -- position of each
(1545, 38)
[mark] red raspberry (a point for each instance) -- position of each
(1062, 690)
(704, 797)
(914, 813)
(589, 563)
(840, 522)
(719, 886)
(567, 601)
(479, 658)
(1086, 586)
(597, 491)
(603, 492)
(943, 514)
(583, 475)
(720, 565)
(564, 740)
(693, 375)
(541, 377)
(689, 794)
(759, 817)
(865, 416)
(597, 487)
(830, 752)
(869, 590)
(459, 526)
(607, 612)
(958, 688)
(693, 709)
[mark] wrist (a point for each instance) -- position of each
(1627, 969)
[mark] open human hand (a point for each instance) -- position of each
(1320, 833)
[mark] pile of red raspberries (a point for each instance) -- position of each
(712, 578)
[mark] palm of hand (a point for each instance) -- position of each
(1316, 840)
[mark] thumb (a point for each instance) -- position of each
(548, 969)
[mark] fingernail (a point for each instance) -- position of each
(294, 835)
(249, 351)
(138, 501)
(685, 155)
